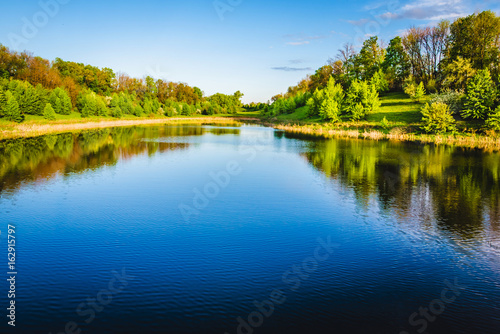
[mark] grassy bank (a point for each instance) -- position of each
(403, 124)
(37, 125)
(402, 114)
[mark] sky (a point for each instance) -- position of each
(260, 47)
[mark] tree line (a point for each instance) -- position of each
(32, 85)
(457, 62)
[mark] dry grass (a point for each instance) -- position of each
(491, 143)
(36, 129)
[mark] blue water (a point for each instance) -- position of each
(300, 235)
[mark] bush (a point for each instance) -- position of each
(116, 111)
(493, 121)
(384, 123)
(431, 86)
(480, 96)
(437, 118)
(453, 99)
(49, 112)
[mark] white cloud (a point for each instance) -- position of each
(291, 69)
(429, 10)
(298, 43)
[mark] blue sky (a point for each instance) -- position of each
(257, 46)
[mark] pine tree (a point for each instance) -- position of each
(419, 92)
(480, 96)
(116, 112)
(58, 107)
(102, 108)
(30, 101)
(12, 112)
(332, 101)
(314, 103)
(380, 82)
(66, 105)
(86, 112)
(493, 121)
(362, 99)
(41, 99)
(3, 102)
(437, 118)
(49, 112)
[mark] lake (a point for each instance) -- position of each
(245, 229)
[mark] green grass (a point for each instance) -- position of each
(398, 108)
(36, 118)
(300, 114)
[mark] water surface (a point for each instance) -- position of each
(205, 225)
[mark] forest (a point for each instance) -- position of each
(453, 66)
(32, 85)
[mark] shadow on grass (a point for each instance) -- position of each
(397, 116)
(397, 103)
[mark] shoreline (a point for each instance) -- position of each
(36, 128)
(472, 141)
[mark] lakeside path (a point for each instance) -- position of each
(33, 129)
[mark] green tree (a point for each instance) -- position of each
(331, 104)
(493, 121)
(101, 107)
(138, 111)
(11, 111)
(49, 112)
(314, 103)
(419, 92)
(370, 58)
(379, 81)
(361, 99)
(457, 73)
(116, 111)
(3, 102)
(480, 96)
(437, 118)
(396, 63)
(475, 37)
